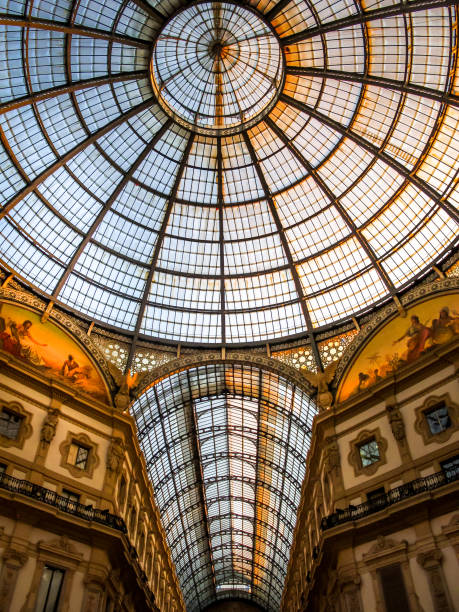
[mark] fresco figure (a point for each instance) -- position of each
(363, 381)
(29, 347)
(417, 335)
(433, 323)
(9, 340)
(445, 327)
(69, 365)
(44, 345)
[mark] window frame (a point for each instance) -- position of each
(83, 441)
(354, 457)
(422, 426)
(25, 428)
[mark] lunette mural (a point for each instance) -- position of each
(48, 348)
(402, 341)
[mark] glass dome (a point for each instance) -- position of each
(218, 173)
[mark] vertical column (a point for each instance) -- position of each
(398, 430)
(332, 466)
(349, 587)
(431, 562)
(13, 561)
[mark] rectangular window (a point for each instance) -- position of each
(376, 493)
(438, 418)
(451, 467)
(49, 590)
(70, 496)
(393, 588)
(78, 456)
(10, 424)
(369, 452)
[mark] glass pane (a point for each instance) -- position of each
(49, 589)
(54, 590)
(369, 452)
(10, 424)
(438, 419)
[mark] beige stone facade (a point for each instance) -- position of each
(374, 527)
(76, 504)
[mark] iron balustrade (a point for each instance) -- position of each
(47, 496)
(88, 513)
(394, 496)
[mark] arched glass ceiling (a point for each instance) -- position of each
(225, 447)
(337, 198)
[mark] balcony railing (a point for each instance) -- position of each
(394, 496)
(46, 496)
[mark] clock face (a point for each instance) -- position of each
(369, 452)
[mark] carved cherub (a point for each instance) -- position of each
(124, 382)
(321, 380)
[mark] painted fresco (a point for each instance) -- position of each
(48, 348)
(403, 341)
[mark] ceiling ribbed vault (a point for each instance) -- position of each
(225, 446)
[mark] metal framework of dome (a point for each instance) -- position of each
(226, 173)
(167, 174)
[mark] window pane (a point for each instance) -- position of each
(438, 419)
(54, 590)
(78, 456)
(49, 590)
(393, 588)
(82, 457)
(10, 424)
(369, 452)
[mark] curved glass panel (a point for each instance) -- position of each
(324, 183)
(225, 447)
(216, 67)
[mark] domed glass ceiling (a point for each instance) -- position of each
(225, 173)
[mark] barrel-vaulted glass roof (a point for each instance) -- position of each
(219, 172)
(225, 446)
